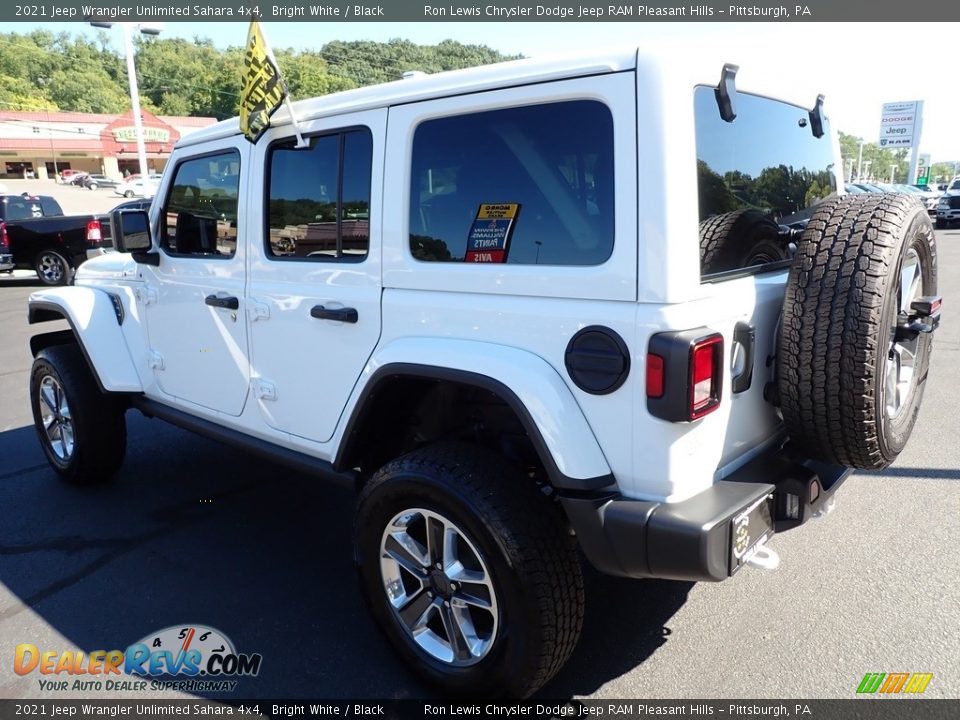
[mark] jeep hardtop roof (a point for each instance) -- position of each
(671, 73)
(428, 86)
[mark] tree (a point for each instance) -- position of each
(180, 77)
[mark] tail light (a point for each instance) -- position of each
(654, 376)
(706, 374)
(93, 232)
(684, 374)
(4, 238)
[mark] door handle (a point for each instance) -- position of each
(348, 315)
(229, 302)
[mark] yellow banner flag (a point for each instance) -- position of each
(263, 88)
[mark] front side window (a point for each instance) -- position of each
(757, 175)
(200, 215)
(319, 198)
(524, 185)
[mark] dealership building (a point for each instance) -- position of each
(41, 143)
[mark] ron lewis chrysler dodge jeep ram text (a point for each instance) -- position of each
(485, 298)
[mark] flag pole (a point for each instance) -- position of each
(301, 142)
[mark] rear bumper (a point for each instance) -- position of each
(692, 539)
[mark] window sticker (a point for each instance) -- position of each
(489, 239)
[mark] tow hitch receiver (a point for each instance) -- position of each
(924, 317)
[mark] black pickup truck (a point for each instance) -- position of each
(36, 235)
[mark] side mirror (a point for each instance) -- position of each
(131, 231)
(131, 234)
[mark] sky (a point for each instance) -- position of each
(857, 66)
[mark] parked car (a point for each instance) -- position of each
(66, 176)
(156, 177)
(40, 237)
(6, 257)
(929, 198)
(92, 182)
(853, 189)
(515, 353)
(136, 188)
(78, 178)
(948, 206)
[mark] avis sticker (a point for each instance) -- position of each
(489, 239)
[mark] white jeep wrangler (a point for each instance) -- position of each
(482, 298)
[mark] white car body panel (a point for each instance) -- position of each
(200, 352)
(542, 391)
(90, 313)
(312, 384)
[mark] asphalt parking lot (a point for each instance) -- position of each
(195, 532)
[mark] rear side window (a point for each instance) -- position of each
(200, 214)
(757, 176)
(525, 185)
(50, 207)
(24, 208)
(319, 198)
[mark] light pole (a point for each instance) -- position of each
(146, 29)
(860, 163)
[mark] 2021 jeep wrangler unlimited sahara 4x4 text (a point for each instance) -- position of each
(473, 296)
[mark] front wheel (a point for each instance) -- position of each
(128, 194)
(82, 431)
(52, 268)
(92, 186)
(469, 571)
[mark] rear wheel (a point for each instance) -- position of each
(93, 186)
(469, 571)
(851, 378)
(52, 268)
(82, 431)
(128, 194)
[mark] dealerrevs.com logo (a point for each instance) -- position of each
(188, 658)
(894, 683)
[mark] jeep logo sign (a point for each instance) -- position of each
(898, 123)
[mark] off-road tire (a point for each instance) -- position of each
(99, 426)
(838, 318)
(523, 538)
(52, 268)
(722, 246)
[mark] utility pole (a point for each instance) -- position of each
(915, 147)
(146, 29)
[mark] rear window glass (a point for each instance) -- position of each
(756, 176)
(524, 185)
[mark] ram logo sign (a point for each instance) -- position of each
(894, 683)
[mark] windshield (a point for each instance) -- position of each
(766, 165)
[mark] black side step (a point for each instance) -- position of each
(234, 438)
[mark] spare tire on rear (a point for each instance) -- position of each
(849, 386)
